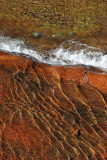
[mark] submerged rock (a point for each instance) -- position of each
(59, 35)
(105, 53)
(72, 34)
(37, 34)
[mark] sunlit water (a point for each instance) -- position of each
(76, 54)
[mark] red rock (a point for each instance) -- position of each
(51, 113)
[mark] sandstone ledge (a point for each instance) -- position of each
(51, 113)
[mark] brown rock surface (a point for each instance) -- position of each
(51, 113)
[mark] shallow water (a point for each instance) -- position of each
(76, 54)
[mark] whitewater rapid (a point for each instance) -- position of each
(76, 54)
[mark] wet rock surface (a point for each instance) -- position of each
(51, 113)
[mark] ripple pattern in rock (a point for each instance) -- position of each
(51, 113)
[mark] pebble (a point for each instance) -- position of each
(105, 53)
(72, 34)
(37, 34)
(59, 35)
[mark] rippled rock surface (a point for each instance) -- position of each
(51, 113)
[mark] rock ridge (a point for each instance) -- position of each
(50, 112)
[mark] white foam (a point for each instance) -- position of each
(77, 53)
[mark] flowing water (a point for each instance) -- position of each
(76, 54)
